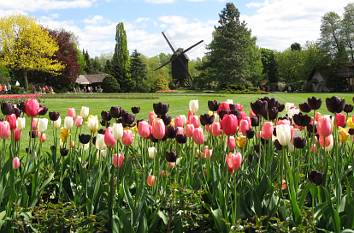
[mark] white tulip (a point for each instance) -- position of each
(68, 122)
(117, 130)
(331, 143)
(100, 145)
(193, 106)
(289, 106)
(283, 134)
(21, 123)
(84, 112)
(292, 111)
(42, 124)
(152, 152)
(92, 123)
(229, 101)
(57, 123)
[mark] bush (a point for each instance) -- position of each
(160, 84)
(110, 84)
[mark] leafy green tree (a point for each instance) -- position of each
(255, 65)
(230, 50)
(138, 72)
(270, 67)
(295, 46)
(348, 30)
(110, 84)
(81, 61)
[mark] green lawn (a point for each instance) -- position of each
(178, 102)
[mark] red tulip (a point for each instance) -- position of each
(198, 136)
(324, 126)
(224, 107)
(144, 129)
(12, 121)
(118, 160)
(158, 129)
(109, 138)
(150, 180)
(231, 143)
(267, 130)
(239, 107)
(244, 126)
(229, 124)
(71, 112)
(189, 130)
(128, 137)
(16, 163)
(17, 134)
(42, 137)
(32, 107)
(195, 121)
(216, 129)
(340, 120)
(179, 121)
(4, 130)
(233, 161)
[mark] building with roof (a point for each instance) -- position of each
(91, 79)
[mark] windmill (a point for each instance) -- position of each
(179, 62)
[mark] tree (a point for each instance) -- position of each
(270, 67)
(230, 50)
(348, 29)
(25, 46)
(295, 47)
(138, 72)
(120, 60)
(110, 84)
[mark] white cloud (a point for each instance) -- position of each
(278, 23)
(35, 5)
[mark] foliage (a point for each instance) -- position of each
(270, 66)
(138, 72)
(110, 84)
(25, 46)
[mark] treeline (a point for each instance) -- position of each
(233, 61)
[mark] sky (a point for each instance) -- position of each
(275, 23)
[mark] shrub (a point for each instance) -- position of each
(110, 84)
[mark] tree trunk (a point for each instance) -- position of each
(25, 79)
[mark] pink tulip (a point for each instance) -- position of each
(12, 121)
(150, 180)
(34, 123)
(340, 120)
(151, 117)
(195, 121)
(252, 114)
(244, 126)
(32, 107)
(144, 129)
(109, 138)
(267, 130)
(71, 112)
(239, 107)
(78, 121)
(198, 136)
(233, 161)
(158, 129)
(118, 160)
(42, 137)
(229, 124)
(224, 107)
(189, 130)
(4, 130)
(283, 122)
(324, 126)
(17, 134)
(128, 137)
(324, 141)
(313, 148)
(216, 129)
(231, 143)
(179, 130)
(179, 121)
(207, 152)
(16, 163)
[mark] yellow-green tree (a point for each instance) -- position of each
(25, 46)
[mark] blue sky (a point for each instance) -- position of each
(275, 23)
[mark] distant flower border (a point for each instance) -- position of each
(20, 96)
(167, 91)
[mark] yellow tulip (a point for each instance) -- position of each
(241, 141)
(343, 134)
(350, 123)
(64, 134)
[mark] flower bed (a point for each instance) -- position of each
(278, 168)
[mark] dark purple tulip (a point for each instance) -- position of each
(316, 177)
(166, 119)
(101, 131)
(299, 142)
(106, 116)
(127, 119)
(181, 139)
(135, 110)
(250, 134)
(277, 145)
(43, 111)
(171, 156)
(7, 108)
(272, 114)
(53, 116)
(84, 138)
(160, 109)
(351, 131)
(314, 103)
(170, 132)
(64, 152)
(305, 107)
(115, 111)
(17, 112)
(206, 119)
(254, 121)
(213, 105)
(259, 107)
(335, 104)
(301, 120)
(348, 108)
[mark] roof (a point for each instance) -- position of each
(90, 79)
(346, 71)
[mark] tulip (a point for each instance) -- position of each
(350, 122)
(152, 117)
(160, 109)
(4, 130)
(115, 111)
(335, 104)
(299, 142)
(64, 134)
(233, 161)
(189, 130)
(152, 152)
(84, 138)
(135, 110)
(34, 123)
(150, 180)
(100, 145)
(316, 177)
(21, 123)
(158, 129)
(179, 121)
(224, 107)
(93, 123)
(106, 116)
(324, 126)
(343, 135)
(78, 121)
(314, 103)
(16, 163)
(326, 142)
(194, 120)
(171, 165)
(57, 123)
(117, 130)
(68, 122)
(206, 119)
(12, 121)
(229, 124)
(71, 112)
(231, 143)
(216, 129)
(267, 130)
(171, 156)
(241, 141)
(42, 137)
(84, 112)
(213, 105)
(244, 126)
(53, 116)
(42, 124)
(144, 129)
(118, 160)
(181, 139)
(17, 134)
(128, 137)
(198, 136)
(305, 107)
(207, 152)
(64, 152)
(194, 106)
(340, 120)
(348, 108)
(31, 107)
(179, 130)
(283, 134)
(7, 108)
(109, 139)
